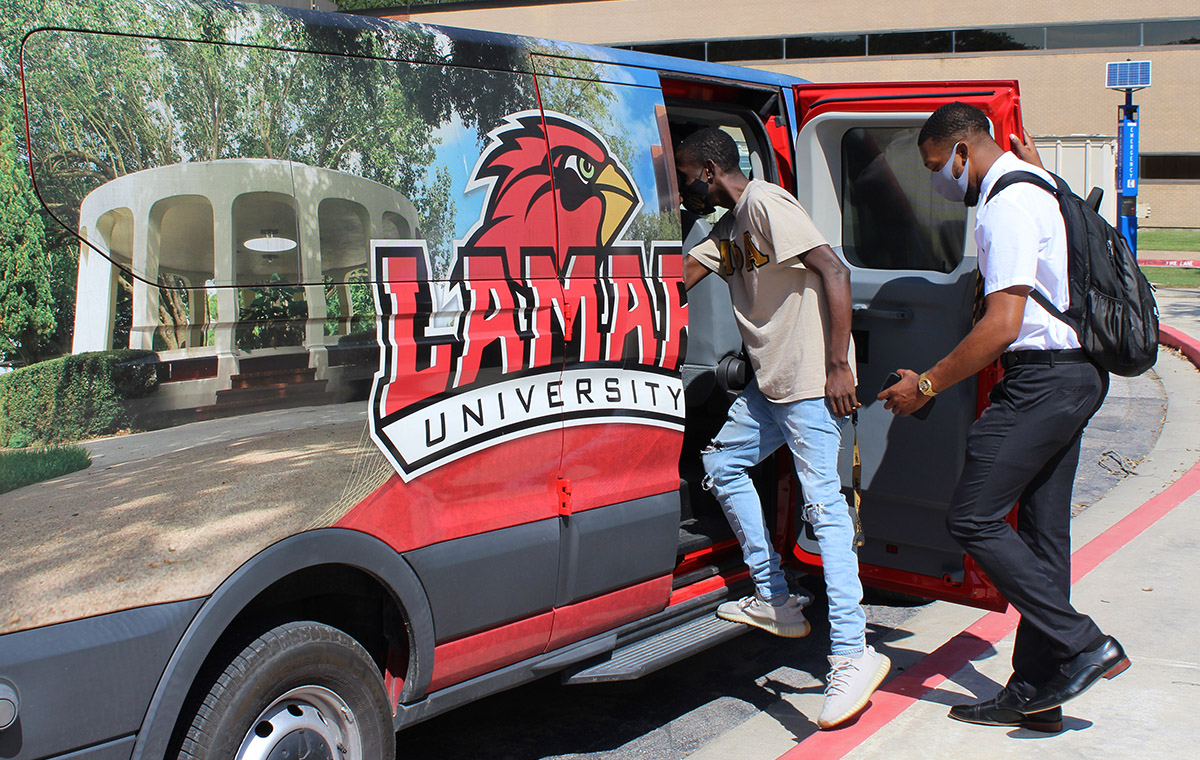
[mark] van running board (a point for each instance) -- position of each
(650, 654)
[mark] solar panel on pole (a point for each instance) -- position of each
(1127, 75)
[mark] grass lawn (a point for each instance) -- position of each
(21, 467)
(1173, 277)
(1168, 240)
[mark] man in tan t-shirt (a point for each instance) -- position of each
(791, 297)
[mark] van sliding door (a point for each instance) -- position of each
(624, 316)
(913, 273)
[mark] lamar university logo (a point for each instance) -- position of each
(547, 319)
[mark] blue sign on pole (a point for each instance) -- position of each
(1129, 156)
(1128, 76)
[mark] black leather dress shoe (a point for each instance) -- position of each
(1007, 709)
(1078, 673)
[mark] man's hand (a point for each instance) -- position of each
(1025, 150)
(839, 390)
(904, 397)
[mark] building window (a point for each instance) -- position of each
(746, 50)
(989, 40)
(909, 43)
(1093, 36)
(693, 50)
(1171, 33)
(826, 46)
(1170, 166)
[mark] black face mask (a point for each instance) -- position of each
(695, 197)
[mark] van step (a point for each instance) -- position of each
(648, 655)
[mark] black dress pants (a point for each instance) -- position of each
(1024, 449)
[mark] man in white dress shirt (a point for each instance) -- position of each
(1024, 448)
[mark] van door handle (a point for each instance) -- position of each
(895, 315)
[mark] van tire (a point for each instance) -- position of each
(296, 687)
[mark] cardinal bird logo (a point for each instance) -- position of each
(578, 181)
(548, 319)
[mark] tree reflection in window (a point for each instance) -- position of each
(988, 40)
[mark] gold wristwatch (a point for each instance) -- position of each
(925, 386)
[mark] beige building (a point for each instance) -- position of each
(1056, 50)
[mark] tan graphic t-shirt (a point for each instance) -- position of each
(779, 303)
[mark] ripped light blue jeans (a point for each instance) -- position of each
(755, 428)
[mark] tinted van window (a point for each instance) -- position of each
(891, 218)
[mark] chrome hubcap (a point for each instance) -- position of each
(309, 722)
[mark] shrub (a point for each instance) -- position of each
(21, 468)
(73, 397)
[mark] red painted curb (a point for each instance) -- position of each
(1181, 263)
(1169, 336)
(899, 693)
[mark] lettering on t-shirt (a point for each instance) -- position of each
(732, 257)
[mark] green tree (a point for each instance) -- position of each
(436, 207)
(26, 311)
(362, 303)
(358, 5)
(57, 251)
(274, 317)
(333, 307)
(575, 89)
(653, 228)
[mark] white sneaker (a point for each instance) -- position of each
(787, 620)
(851, 684)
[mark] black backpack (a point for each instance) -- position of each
(1112, 305)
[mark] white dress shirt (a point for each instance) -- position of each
(1022, 241)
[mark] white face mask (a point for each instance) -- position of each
(945, 183)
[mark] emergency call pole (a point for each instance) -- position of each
(1127, 76)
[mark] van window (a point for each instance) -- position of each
(753, 159)
(749, 159)
(891, 218)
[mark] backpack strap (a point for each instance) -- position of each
(1044, 302)
(1012, 178)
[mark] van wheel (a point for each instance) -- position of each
(301, 689)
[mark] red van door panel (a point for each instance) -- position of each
(913, 272)
(1000, 100)
(624, 307)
